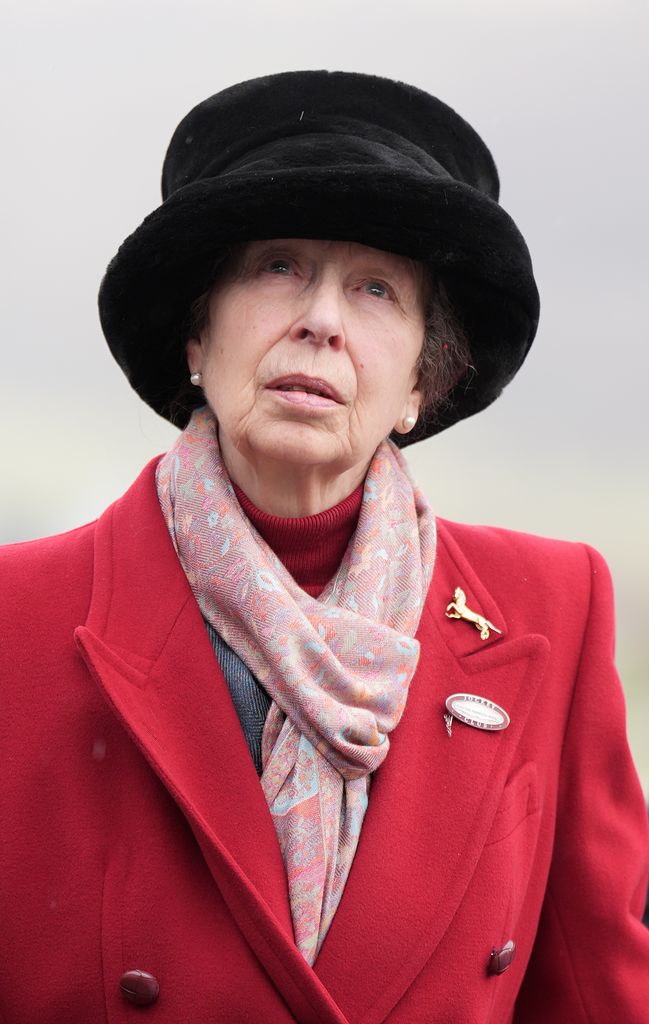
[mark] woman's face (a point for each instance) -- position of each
(309, 357)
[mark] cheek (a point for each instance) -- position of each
(232, 382)
(241, 338)
(387, 377)
(377, 406)
(232, 357)
(221, 382)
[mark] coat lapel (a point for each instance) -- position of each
(146, 646)
(432, 802)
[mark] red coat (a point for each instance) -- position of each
(135, 834)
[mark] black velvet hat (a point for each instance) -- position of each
(331, 155)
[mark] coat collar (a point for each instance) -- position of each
(431, 803)
(143, 635)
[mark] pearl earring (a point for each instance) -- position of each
(409, 422)
(196, 378)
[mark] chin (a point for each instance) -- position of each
(299, 445)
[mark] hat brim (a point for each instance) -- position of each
(161, 268)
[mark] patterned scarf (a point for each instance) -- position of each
(337, 667)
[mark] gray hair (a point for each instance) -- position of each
(445, 355)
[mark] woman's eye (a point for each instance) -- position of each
(377, 288)
(279, 266)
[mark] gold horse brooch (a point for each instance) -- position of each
(457, 609)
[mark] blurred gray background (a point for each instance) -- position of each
(90, 94)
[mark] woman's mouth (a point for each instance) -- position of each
(298, 389)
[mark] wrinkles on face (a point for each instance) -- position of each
(334, 320)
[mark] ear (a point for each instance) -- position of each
(409, 412)
(194, 352)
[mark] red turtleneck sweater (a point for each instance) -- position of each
(310, 547)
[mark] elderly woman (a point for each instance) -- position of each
(279, 744)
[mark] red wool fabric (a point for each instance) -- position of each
(135, 834)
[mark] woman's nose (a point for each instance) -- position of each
(320, 321)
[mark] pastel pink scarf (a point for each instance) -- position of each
(337, 667)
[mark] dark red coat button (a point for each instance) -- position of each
(501, 958)
(139, 987)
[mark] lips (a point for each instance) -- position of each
(308, 385)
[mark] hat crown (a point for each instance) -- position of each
(333, 155)
(325, 118)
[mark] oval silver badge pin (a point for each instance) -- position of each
(478, 712)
